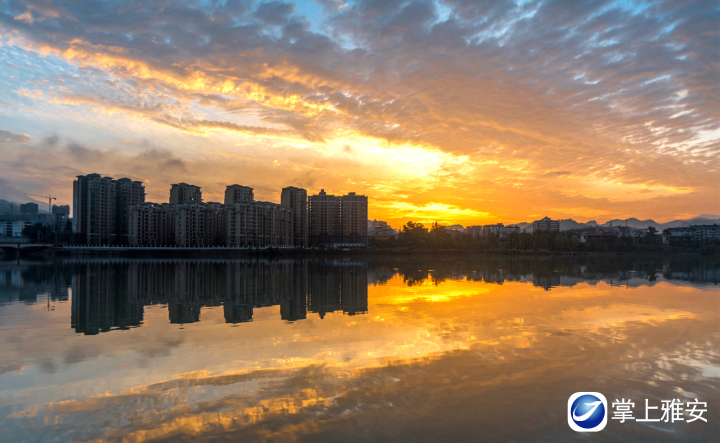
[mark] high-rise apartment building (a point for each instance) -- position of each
(337, 219)
(251, 223)
(183, 192)
(95, 209)
(354, 216)
(101, 208)
(235, 193)
(29, 208)
(61, 210)
(325, 224)
(296, 199)
(200, 224)
(152, 224)
(129, 193)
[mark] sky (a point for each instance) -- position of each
(455, 111)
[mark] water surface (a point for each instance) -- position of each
(444, 349)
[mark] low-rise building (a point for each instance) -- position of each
(13, 228)
(382, 235)
(692, 233)
(546, 224)
(512, 229)
(496, 229)
(706, 233)
(475, 230)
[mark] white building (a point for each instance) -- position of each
(511, 229)
(706, 232)
(475, 231)
(496, 229)
(13, 228)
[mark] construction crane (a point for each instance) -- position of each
(49, 198)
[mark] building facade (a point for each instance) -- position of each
(101, 208)
(325, 223)
(152, 224)
(496, 229)
(235, 193)
(337, 219)
(29, 208)
(129, 193)
(546, 224)
(61, 210)
(183, 192)
(259, 224)
(13, 228)
(512, 229)
(475, 230)
(200, 224)
(95, 209)
(297, 200)
(696, 233)
(354, 216)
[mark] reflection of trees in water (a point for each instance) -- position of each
(549, 271)
(112, 293)
(25, 283)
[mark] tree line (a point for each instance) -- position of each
(416, 236)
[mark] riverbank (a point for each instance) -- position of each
(230, 253)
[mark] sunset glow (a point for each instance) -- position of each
(450, 111)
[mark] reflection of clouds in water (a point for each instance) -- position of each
(317, 398)
(704, 362)
(455, 358)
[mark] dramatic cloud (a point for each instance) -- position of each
(451, 110)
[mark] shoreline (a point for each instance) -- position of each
(319, 253)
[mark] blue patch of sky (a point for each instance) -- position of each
(442, 11)
(19, 67)
(314, 13)
(632, 6)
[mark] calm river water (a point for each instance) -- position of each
(410, 350)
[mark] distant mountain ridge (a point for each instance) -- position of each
(565, 225)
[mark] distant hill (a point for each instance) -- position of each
(572, 224)
(524, 226)
(644, 224)
(704, 219)
(633, 223)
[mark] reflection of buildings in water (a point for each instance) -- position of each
(548, 273)
(100, 299)
(111, 295)
(546, 281)
(26, 283)
(338, 286)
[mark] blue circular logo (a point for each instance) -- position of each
(587, 411)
